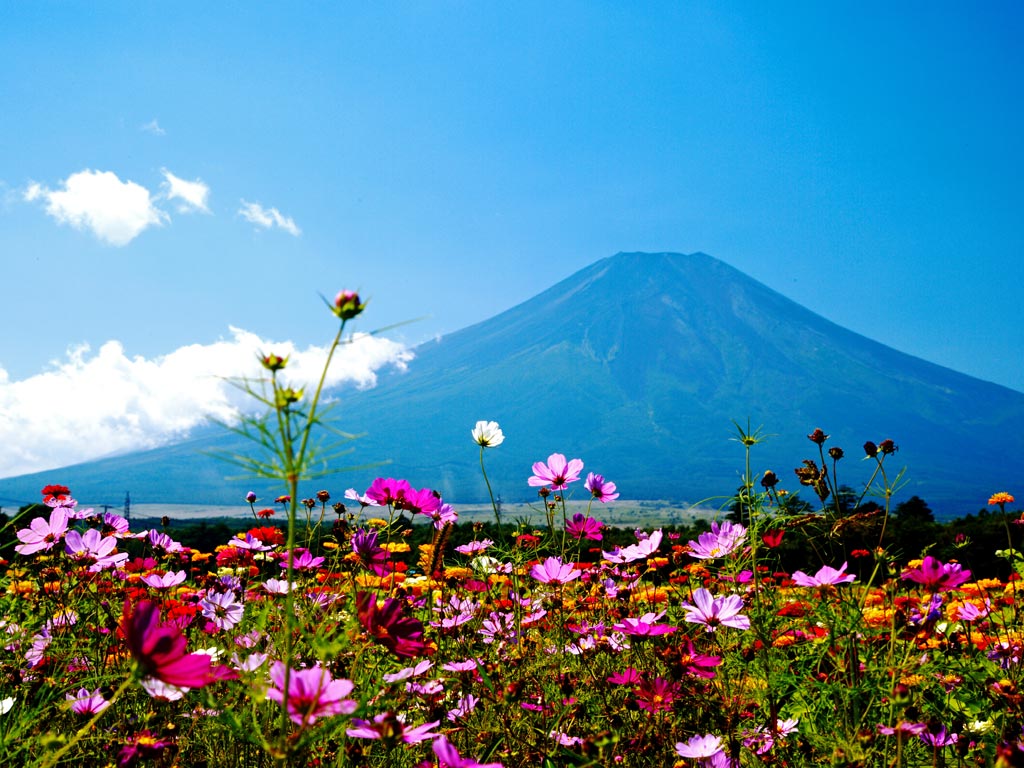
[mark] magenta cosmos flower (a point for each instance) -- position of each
(389, 726)
(387, 625)
(937, 576)
(159, 650)
(449, 757)
(825, 576)
(639, 551)
(93, 549)
(557, 472)
(554, 571)
(312, 693)
(581, 527)
(713, 612)
(600, 488)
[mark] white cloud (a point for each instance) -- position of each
(115, 211)
(153, 127)
(91, 405)
(268, 217)
(192, 194)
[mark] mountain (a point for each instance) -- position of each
(639, 364)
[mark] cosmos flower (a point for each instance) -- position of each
(164, 580)
(387, 491)
(557, 473)
(159, 650)
(487, 434)
(639, 551)
(825, 576)
(699, 747)
(392, 727)
(43, 534)
(581, 527)
(554, 571)
(87, 703)
(720, 541)
(223, 609)
(645, 625)
(600, 489)
(713, 612)
(656, 695)
(94, 549)
(937, 576)
(449, 757)
(386, 624)
(312, 693)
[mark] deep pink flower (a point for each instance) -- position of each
(424, 501)
(825, 576)
(164, 581)
(449, 757)
(554, 571)
(645, 625)
(713, 612)
(159, 650)
(581, 527)
(937, 576)
(557, 472)
(600, 489)
(386, 624)
(312, 693)
(387, 491)
(656, 695)
(42, 533)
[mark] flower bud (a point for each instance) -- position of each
(817, 436)
(836, 453)
(347, 305)
(273, 362)
(770, 479)
(887, 447)
(251, 497)
(870, 449)
(323, 497)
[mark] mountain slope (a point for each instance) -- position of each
(639, 364)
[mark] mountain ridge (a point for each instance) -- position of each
(639, 363)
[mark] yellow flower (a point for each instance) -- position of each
(377, 522)
(998, 499)
(395, 546)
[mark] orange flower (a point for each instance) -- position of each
(998, 499)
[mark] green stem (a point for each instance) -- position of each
(494, 505)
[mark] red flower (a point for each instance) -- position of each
(159, 650)
(773, 538)
(402, 635)
(56, 491)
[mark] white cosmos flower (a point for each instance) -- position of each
(488, 434)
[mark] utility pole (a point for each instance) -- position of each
(127, 506)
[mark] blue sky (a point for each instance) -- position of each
(179, 181)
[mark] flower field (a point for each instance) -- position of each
(335, 639)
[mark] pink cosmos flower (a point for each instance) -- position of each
(825, 576)
(86, 703)
(600, 489)
(581, 527)
(165, 580)
(720, 541)
(302, 560)
(557, 472)
(713, 612)
(699, 747)
(474, 547)
(223, 609)
(43, 534)
(93, 548)
(386, 624)
(554, 571)
(312, 693)
(391, 726)
(937, 576)
(639, 551)
(159, 650)
(449, 757)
